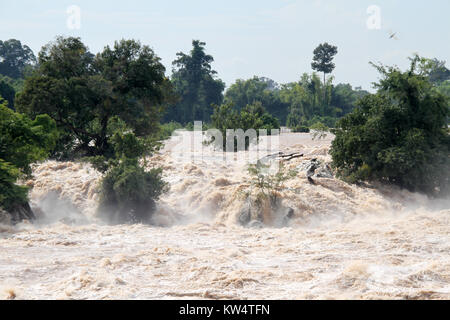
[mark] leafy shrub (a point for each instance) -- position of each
(319, 131)
(269, 180)
(301, 129)
(22, 142)
(128, 192)
(226, 117)
(167, 129)
(398, 135)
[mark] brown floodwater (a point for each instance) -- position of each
(343, 241)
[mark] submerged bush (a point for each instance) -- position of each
(128, 192)
(269, 180)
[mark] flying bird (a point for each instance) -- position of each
(393, 35)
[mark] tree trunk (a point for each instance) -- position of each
(324, 93)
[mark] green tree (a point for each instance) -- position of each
(398, 135)
(323, 59)
(254, 116)
(83, 92)
(128, 192)
(305, 100)
(435, 69)
(15, 58)
(258, 89)
(196, 84)
(22, 142)
(107, 108)
(444, 88)
(344, 98)
(8, 93)
(323, 62)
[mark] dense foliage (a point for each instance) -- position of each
(7, 92)
(82, 92)
(22, 142)
(196, 85)
(296, 104)
(311, 102)
(258, 89)
(15, 58)
(128, 190)
(398, 135)
(254, 116)
(107, 108)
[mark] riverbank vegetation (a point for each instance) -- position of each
(114, 108)
(399, 134)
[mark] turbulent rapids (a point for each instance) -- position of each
(341, 241)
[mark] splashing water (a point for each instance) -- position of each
(343, 241)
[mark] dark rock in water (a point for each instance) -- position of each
(5, 217)
(313, 166)
(17, 213)
(324, 172)
(245, 216)
(290, 213)
(288, 216)
(316, 169)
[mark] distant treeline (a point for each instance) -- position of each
(195, 89)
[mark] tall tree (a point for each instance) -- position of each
(14, 58)
(323, 61)
(196, 84)
(84, 93)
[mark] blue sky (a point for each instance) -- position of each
(247, 37)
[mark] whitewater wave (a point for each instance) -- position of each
(342, 241)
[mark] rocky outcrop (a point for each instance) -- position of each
(17, 213)
(316, 169)
(254, 215)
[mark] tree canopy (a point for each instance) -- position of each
(323, 58)
(15, 58)
(83, 92)
(258, 89)
(254, 116)
(196, 85)
(398, 135)
(7, 92)
(22, 142)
